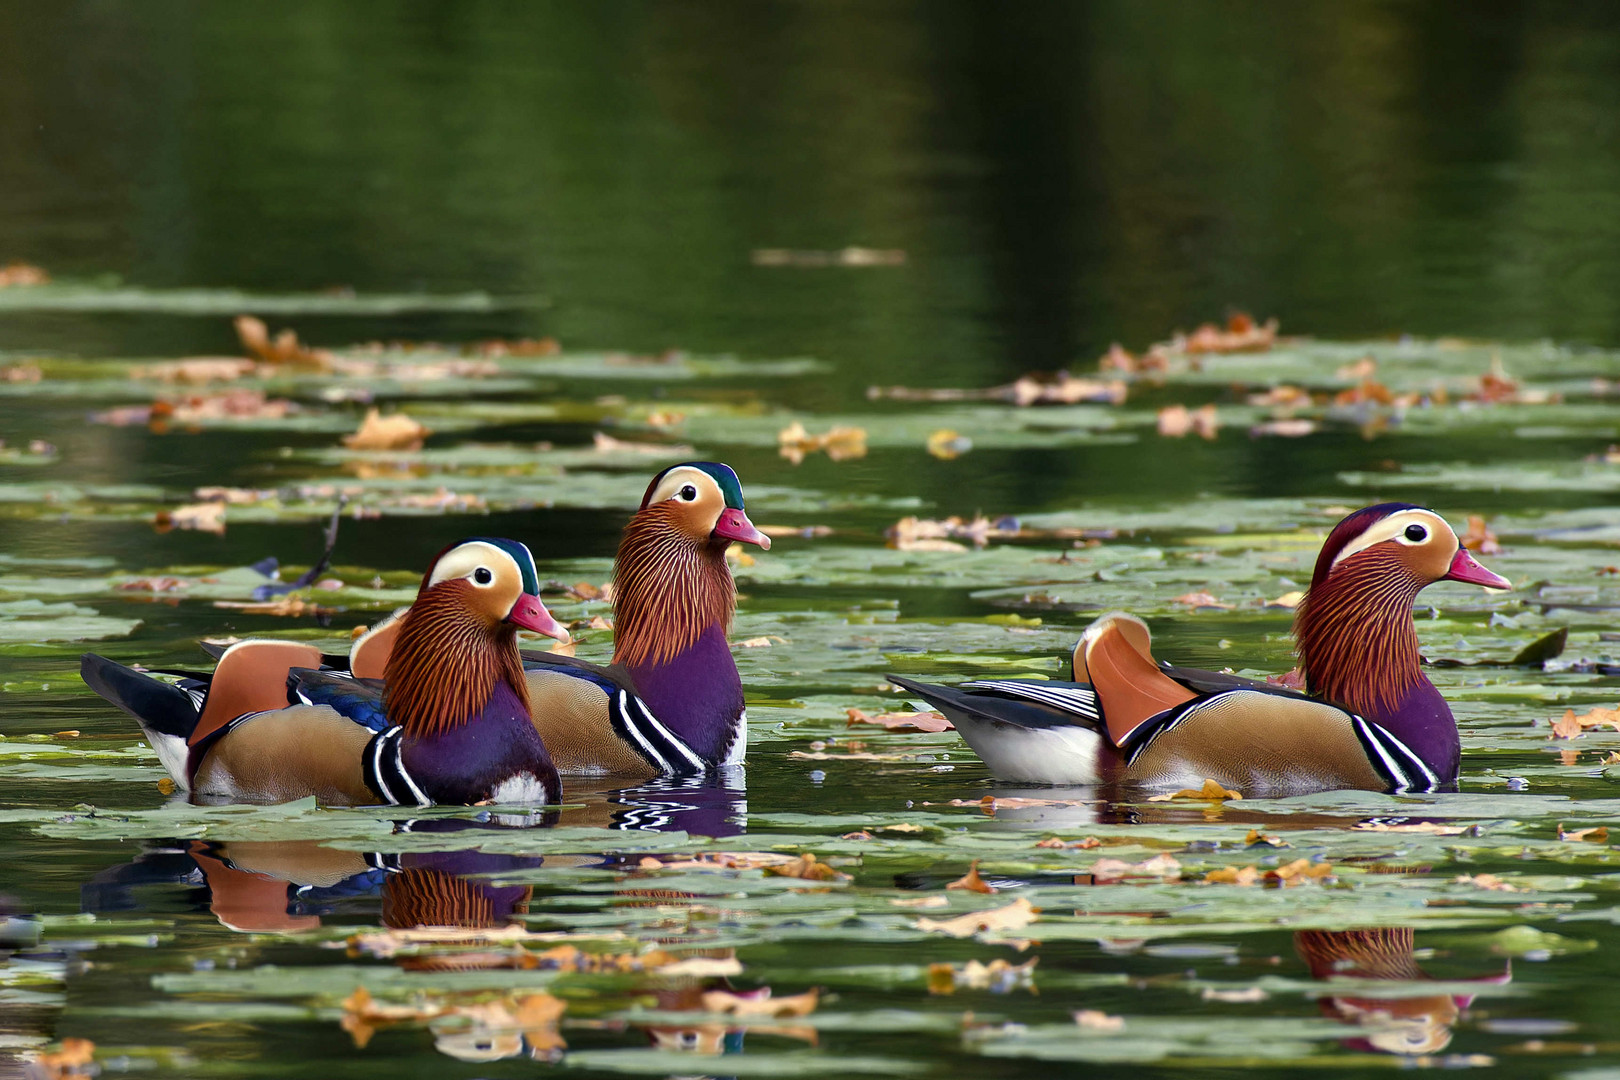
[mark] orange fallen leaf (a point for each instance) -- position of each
(807, 868)
(1083, 845)
(1241, 334)
(971, 881)
(1360, 369)
(285, 349)
(1571, 726)
(393, 432)
(1176, 421)
(729, 1004)
(840, 443)
(1233, 875)
(72, 1059)
(20, 275)
(1210, 792)
(1289, 680)
(1200, 600)
(901, 721)
(200, 517)
(1598, 835)
(1479, 537)
(1289, 600)
(1489, 882)
(1096, 1020)
(1298, 872)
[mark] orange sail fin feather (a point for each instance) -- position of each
(1117, 663)
(251, 677)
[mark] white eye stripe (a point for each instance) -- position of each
(466, 560)
(1394, 528)
(681, 478)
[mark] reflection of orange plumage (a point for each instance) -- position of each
(1395, 1025)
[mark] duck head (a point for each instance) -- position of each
(671, 582)
(1354, 631)
(461, 636)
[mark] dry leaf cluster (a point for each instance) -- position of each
(998, 976)
(840, 443)
(1571, 726)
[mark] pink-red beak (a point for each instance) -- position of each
(530, 614)
(1465, 568)
(734, 525)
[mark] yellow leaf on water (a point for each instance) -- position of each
(1597, 835)
(1210, 792)
(971, 881)
(395, 431)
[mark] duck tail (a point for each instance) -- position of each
(167, 715)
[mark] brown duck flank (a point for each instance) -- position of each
(446, 660)
(668, 587)
(1354, 634)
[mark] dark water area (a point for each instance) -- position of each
(923, 194)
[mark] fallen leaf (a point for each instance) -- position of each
(1489, 882)
(1289, 600)
(1285, 428)
(1430, 827)
(921, 902)
(807, 868)
(999, 976)
(1112, 870)
(1240, 335)
(839, 443)
(285, 349)
(1176, 421)
(947, 445)
(72, 1059)
(1598, 835)
(1200, 600)
(393, 432)
(1235, 996)
(971, 881)
(754, 643)
(1298, 872)
(1256, 837)
(1233, 875)
(196, 369)
(859, 834)
(729, 1004)
(607, 444)
(201, 517)
(1571, 726)
(1479, 537)
(1290, 680)
(289, 606)
(1082, 845)
(21, 275)
(1096, 1020)
(1014, 916)
(900, 721)
(1210, 792)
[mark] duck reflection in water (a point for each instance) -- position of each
(1405, 1025)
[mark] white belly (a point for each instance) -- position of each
(521, 788)
(1064, 755)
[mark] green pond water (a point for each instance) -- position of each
(671, 191)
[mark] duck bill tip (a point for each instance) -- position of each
(734, 525)
(530, 614)
(1465, 568)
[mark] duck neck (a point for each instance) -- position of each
(697, 694)
(1358, 647)
(669, 590)
(672, 607)
(448, 667)
(497, 755)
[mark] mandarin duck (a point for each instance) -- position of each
(1370, 718)
(448, 722)
(671, 702)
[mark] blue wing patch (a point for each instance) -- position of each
(358, 699)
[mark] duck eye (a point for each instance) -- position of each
(689, 493)
(483, 576)
(1417, 533)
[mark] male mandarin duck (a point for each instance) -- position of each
(1371, 718)
(448, 722)
(671, 702)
